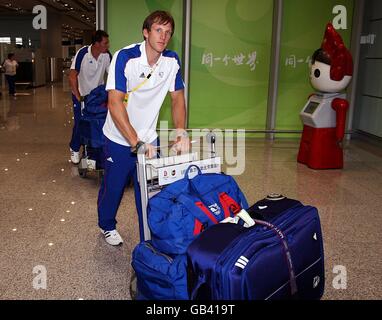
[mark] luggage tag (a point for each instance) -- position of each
(243, 214)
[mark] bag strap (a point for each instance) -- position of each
(188, 171)
(226, 201)
(229, 205)
(141, 84)
(202, 215)
(285, 246)
(134, 89)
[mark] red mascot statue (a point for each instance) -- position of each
(324, 115)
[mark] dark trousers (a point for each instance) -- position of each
(120, 167)
(11, 83)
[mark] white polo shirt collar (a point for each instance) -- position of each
(143, 59)
(91, 54)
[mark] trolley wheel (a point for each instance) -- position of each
(82, 173)
(133, 286)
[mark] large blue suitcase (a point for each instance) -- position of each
(280, 259)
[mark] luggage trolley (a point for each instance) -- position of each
(93, 117)
(155, 174)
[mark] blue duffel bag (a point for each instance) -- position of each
(183, 209)
(159, 276)
(95, 103)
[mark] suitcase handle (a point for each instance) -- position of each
(244, 215)
(189, 168)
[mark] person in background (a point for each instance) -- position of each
(145, 71)
(86, 73)
(10, 65)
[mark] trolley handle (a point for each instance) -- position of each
(210, 138)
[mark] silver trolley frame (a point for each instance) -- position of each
(154, 174)
(152, 178)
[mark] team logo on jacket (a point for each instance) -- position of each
(215, 209)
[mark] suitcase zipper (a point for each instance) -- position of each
(285, 284)
(149, 246)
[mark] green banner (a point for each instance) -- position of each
(303, 28)
(230, 61)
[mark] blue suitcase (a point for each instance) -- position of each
(280, 259)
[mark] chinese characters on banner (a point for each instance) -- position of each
(240, 59)
(292, 61)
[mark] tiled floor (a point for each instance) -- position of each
(48, 216)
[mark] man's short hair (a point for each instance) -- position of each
(10, 55)
(161, 17)
(98, 35)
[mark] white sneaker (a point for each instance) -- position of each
(74, 156)
(113, 237)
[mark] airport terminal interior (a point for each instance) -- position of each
(48, 212)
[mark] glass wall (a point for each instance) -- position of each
(230, 60)
(230, 54)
